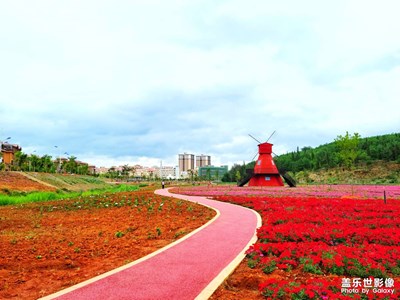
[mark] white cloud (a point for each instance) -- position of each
(146, 80)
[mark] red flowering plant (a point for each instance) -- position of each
(285, 289)
(321, 233)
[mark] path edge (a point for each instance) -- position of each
(131, 264)
(220, 278)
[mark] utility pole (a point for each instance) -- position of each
(59, 160)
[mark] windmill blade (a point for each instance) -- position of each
(257, 142)
(254, 139)
(271, 136)
(254, 156)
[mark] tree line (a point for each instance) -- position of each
(345, 151)
(45, 163)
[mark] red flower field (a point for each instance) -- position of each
(321, 248)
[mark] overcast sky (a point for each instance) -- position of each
(126, 82)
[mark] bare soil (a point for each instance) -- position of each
(46, 247)
(14, 181)
(241, 284)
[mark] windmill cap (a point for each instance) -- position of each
(265, 148)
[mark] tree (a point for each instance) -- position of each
(82, 169)
(33, 162)
(348, 148)
(46, 164)
(20, 161)
(226, 177)
(191, 172)
(112, 173)
(71, 166)
(238, 176)
(125, 171)
(384, 147)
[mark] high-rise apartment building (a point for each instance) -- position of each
(186, 162)
(203, 160)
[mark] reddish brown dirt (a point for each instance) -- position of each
(241, 284)
(46, 247)
(13, 181)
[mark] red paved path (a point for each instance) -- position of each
(184, 270)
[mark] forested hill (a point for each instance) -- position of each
(348, 159)
(345, 151)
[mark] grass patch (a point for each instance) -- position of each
(23, 197)
(71, 182)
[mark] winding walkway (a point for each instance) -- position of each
(190, 268)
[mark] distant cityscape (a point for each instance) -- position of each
(189, 166)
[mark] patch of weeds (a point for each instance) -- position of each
(179, 233)
(119, 234)
(77, 250)
(158, 231)
(6, 191)
(70, 244)
(30, 236)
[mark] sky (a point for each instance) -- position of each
(138, 82)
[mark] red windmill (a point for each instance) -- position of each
(265, 172)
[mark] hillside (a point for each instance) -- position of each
(364, 151)
(373, 160)
(353, 160)
(378, 172)
(15, 181)
(70, 182)
(32, 181)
